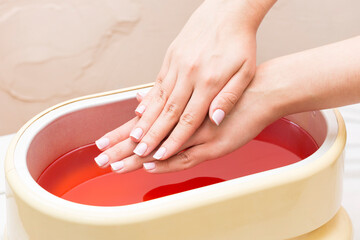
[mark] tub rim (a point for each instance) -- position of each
(48, 204)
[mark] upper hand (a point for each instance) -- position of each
(205, 70)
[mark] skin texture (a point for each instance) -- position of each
(319, 78)
(207, 67)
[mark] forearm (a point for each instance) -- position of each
(319, 78)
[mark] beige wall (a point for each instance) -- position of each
(53, 50)
(295, 25)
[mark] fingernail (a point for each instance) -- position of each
(149, 165)
(136, 133)
(116, 166)
(218, 116)
(140, 149)
(102, 143)
(140, 109)
(160, 153)
(102, 160)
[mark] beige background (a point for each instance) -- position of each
(54, 50)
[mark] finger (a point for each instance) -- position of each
(117, 152)
(230, 94)
(117, 135)
(128, 164)
(154, 102)
(135, 162)
(167, 119)
(140, 96)
(184, 160)
(190, 120)
(156, 90)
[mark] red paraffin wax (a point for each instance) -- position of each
(76, 177)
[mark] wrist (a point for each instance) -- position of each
(273, 90)
(247, 13)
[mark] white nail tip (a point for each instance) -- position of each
(116, 166)
(218, 116)
(136, 133)
(140, 109)
(160, 153)
(102, 143)
(149, 165)
(140, 149)
(101, 160)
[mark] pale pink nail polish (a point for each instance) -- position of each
(149, 165)
(102, 160)
(136, 133)
(218, 116)
(102, 143)
(160, 153)
(140, 149)
(116, 166)
(140, 109)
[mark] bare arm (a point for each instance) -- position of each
(323, 77)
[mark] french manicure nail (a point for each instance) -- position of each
(140, 109)
(140, 149)
(149, 165)
(102, 160)
(116, 166)
(136, 133)
(160, 153)
(218, 116)
(102, 143)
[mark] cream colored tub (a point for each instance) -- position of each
(294, 201)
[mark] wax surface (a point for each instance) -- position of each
(76, 177)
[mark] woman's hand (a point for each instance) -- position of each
(206, 69)
(253, 112)
(319, 78)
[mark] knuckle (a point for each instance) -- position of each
(248, 73)
(160, 78)
(161, 96)
(211, 80)
(174, 140)
(171, 110)
(187, 119)
(185, 160)
(248, 70)
(192, 66)
(228, 99)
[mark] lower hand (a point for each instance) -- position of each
(254, 111)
